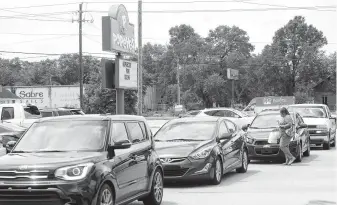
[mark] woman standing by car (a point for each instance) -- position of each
(286, 126)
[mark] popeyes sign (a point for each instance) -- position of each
(117, 33)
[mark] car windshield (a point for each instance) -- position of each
(186, 131)
(155, 125)
(47, 114)
(310, 112)
(64, 136)
(266, 121)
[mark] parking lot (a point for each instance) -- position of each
(311, 182)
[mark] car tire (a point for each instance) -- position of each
(106, 196)
(155, 197)
(299, 153)
(218, 172)
(334, 141)
(307, 152)
(244, 162)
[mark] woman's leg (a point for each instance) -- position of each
(284, 146)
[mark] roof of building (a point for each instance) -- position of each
(325, 79)
(4, 93)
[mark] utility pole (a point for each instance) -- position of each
(140, 59)
(80, 20)
(178, 82)
(233, 98)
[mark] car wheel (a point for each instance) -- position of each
(218, 172)
(299, 153)
(244, 163)
(307, 152)
(334, 141)
(156, 195)
(326, 146)
(105, 196)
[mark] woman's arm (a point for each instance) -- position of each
(289, 122)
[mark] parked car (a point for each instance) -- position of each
(238, 117)
(191, 113)
(75, 111)
(23, 115)
(9, 132)
(201, 148)
(265, 124)
(321, 123)
(54, 112)
(83, 160)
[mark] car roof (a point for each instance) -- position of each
(94, 118)
(220, 108)
(270, 112)
(160, 118)
(306, 105)
(198, 119)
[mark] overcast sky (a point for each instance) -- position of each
(19, 34)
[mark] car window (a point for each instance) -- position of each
(231, 126)
(211, 112)
(118, 132)
(142, 125)
(64, 112)
(136, 133)
(47, 114)
(194, 113)
(223, 129)
(7, 113)
(219, 113)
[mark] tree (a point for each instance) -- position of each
(295, 46)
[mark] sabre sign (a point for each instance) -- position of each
(117, 33)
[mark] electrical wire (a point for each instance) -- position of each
(32, 19)
(39, 6)
(37, 40)
(42, 34)
(48, 15)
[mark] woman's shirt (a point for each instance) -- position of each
(287, 120)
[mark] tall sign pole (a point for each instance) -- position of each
(118, 37)
(233, 75)
(178, 82)
(140, 59)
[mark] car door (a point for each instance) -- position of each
(141, 148)
(302, 132)
(124, 165)
(236, 141)
(226, 145)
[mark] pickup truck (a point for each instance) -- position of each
(321, 123)
(19, 114)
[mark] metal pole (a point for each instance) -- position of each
(120, 110)
(178, 82)
(232, 92)
(80, 55)
(140, 59)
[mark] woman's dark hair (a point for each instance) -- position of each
(284, 111)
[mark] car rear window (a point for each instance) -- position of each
(47, 114)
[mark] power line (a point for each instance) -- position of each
(41, 34)
(48, 15)
(32, 19)
(228, 10)
(44, 39)
(38, 6)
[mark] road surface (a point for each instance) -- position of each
(311, 182)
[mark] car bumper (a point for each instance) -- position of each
(319, 139)
(46, 193)
(189, 170)
(270, 151)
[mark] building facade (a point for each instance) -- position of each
(325, 92)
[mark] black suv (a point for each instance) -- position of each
(83, 160)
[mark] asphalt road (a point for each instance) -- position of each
(311, 182)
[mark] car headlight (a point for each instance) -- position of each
(249, 140)
(76, 172)
(202, 153)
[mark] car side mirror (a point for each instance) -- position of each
(226, 136)
(125, 144)
(245, 127)
(10, 145)
(333, 119)
(231, 131)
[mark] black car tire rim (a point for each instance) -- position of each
(106, 197)
(218, 170)
(158, 187)
(244, 160)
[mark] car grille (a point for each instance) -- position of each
(268, 151)
(174, 172)
(312, 126)
(172, 160)
(22, 175)
(264, 142)
(25, 197)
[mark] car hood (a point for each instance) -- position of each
(177, 149)
(48, 160)
(316, 121)
(259, 133)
